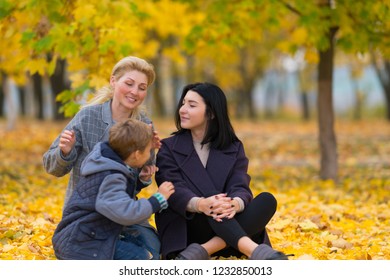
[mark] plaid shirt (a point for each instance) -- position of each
(91, 125)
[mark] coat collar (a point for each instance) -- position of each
(210, 180)
(106, 113)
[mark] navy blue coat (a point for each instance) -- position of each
(178, 162)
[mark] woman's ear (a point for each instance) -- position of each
(112, 82)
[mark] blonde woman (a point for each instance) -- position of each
(122, 99)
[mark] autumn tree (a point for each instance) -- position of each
(166, 24)
(382, 68)
(41, 38)
(353, 26)
(232, 42)
(323, 25)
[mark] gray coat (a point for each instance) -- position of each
(91, 125)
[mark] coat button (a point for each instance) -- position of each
(93, 233)
(95, 255)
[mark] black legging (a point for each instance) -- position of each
(251, 222)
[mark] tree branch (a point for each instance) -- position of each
(290, 7)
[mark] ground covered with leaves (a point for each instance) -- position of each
(322, 220)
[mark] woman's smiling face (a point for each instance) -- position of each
(130, 90)
(193, 112)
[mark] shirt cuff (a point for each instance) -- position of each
(241, 204)
(145, 183)
(193, 205)
(161, 199)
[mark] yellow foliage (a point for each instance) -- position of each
(284, 46)
(299, 35)
(311, 56)
(84, 12)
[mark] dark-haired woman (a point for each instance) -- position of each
(212, 212)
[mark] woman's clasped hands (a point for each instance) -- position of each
(218, 206)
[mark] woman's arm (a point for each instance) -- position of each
(169, 170)
(55, 161)
(239, 180)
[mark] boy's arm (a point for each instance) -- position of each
(115, 203)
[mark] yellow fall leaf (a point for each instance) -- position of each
(299, 35)
(307, 225)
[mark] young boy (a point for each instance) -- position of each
(103, 218)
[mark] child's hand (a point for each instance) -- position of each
(67, 141)
(166, 189)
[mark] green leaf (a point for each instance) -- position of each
(44, 44)
(27, 36)
(5, 8)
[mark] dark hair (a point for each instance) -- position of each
(219, 131)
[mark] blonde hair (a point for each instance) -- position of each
(123, 66)
(129, 136)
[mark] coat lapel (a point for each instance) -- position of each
(107, 119)
(210, 180)
(219, 166)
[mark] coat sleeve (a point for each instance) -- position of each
(116, 204)
(169, 170)
(239, 179)
(54, 162)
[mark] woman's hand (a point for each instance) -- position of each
(147, 172)
(156, 142)
(228, 210)
(218, 206)
(67, 141)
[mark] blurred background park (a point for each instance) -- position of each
(308, 86)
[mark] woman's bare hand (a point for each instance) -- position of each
(67, 141)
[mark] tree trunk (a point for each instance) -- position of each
(10, 96)
(303, 94)
(157, 108)
(359, 100)
(2, 94)
(386, 86)
(387, 96)
(38, 94)
(248, 81)
(22, 94)
(58, 85)
(327, 136)
(305, 106)
(165, 76)
(384, 78)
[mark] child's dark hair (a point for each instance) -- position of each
(129, 136)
